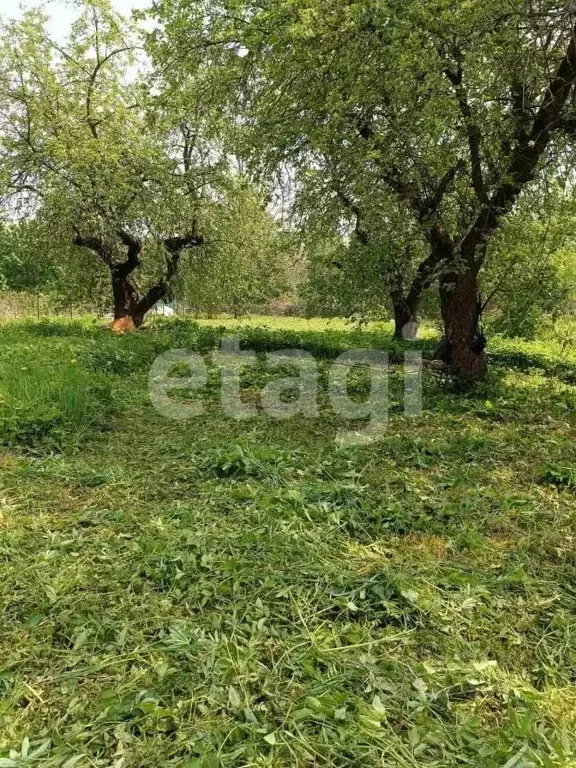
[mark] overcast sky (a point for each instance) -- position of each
(61, 12)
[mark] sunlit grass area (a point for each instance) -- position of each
(313, 324)
(223, 593)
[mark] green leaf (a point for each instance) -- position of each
(234, 697)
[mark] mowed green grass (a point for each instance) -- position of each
(219, 593)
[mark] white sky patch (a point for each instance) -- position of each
(62, 13)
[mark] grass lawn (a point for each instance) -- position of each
(222, 593)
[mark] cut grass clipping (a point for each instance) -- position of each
(217, 594)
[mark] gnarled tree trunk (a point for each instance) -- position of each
(130, 308)
(125, 297)
(462, 347)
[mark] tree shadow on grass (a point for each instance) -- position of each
(563, 370)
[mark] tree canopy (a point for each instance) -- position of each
(454, 109)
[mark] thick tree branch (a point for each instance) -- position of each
(406, 190)
(179, 243)
(431, 205)
(359, 231)
(97, 245)
(524, 158)
(473, 134)
(391, 175)
(521, 111)
(441, 251)
(425, 207)
(132, 262)
(568, 125)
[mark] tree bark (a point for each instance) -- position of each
(125, 297)
(463, 344)
(406, 321)
(462, 347)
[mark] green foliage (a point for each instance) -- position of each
(48, 403)
(562, 477)
(269, 335)
(111, 360)
(356, 280)
(48, 327)
(248, 259)
(530, 274)
(237, 462)
(411, 128)
(92, 149)
(24, 265)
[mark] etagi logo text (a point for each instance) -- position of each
(287, 396)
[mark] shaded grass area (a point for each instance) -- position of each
(217, 593)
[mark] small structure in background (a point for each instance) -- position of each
(163, 309)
